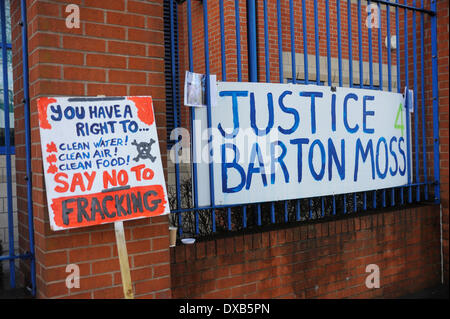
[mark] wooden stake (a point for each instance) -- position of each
(123, 260)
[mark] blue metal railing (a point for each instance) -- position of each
(234, 217)
(7, 150)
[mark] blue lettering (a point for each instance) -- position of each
(402, 152)
(279, 160)
(332, 155)
(290, 111)
(347, 126)
(255, 153)
(233, 164)
(383, 174)
(234, 95)
(299, 142)
(393, 172)
(367, 113)
(365, 153)
(317, 176)
(253, 115)
(312, 95)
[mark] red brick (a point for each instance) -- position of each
(126, 48)
(81, 43)
(106, 61)
(105, 266)
(125, 19)
(127, 77)
(148, 9)
(111, 5)
(84, 74)
(105, 31)
(89, 253)
(152, 285)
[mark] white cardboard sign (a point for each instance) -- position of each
(101, 160)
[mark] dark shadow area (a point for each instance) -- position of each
(438, 292)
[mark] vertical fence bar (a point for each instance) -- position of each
(26, 103)
(272, 212)
(380, 79)
(258, 214)
(388, 31)
(369, 34)
(238, 39)
(408, 140)
(361, 78)
(305, 42)
(222, 40)
(174, 96)
(229, 218)
(310, 208)
(399, 90)
(327, 17)
(280, 42)
(380, 71)
(434, 70)
(350, 49)
(266, 42)
(252, 58)
(192, 115)
(286, 216)
(350, 71)
(361, 85)
(292, 29)
(334, 205)
(322, 200)
(416, 118)
(208, 107)
(338, 19)
(380, 50)
(422, 95)
(298, 210)
(317, 43)
(9, 194)
(408, 143)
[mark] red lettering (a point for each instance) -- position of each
(137, 171)
(77, 180)
(90, 179)
(123, 177)
(64, 185)
(108, 179)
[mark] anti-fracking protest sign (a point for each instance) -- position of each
(101, 160)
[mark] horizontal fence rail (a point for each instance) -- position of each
(376, 45)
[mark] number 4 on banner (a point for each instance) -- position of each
(400, 126)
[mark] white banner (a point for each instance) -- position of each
(283, 141)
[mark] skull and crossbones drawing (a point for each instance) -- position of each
(144, 150)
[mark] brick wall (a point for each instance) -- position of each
(323, 260)
(118, 50)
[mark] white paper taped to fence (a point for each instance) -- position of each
(274, 142)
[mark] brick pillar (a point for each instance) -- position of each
(118, 50)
